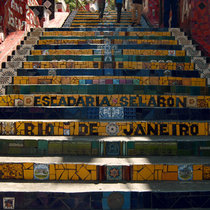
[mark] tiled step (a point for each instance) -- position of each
(119, 58)
(83, 169)
(102, 72)
(101, 40)
(146, 31)
(104, 113)
(103, 32)
(142, 38)
(130, 65)
(105, 146)
(103, 128)
(108, 89)
(98, 51)
(124, 100)
(127, 80)
(114, 47)
(150, 195)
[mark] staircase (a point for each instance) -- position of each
(100, 115)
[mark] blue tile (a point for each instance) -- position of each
(82, 82)
(114, 173)
(116, 81)
(89, 81)
(108, 72)
(112, 148)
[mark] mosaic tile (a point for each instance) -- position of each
(112, 129)
(113, 148)
(105, 112)
(41, 171)
(191, 102)
(28, 101)
(117, 112)
(114, 173)
(185, 172)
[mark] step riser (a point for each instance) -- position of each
(130, 65)
(105, 113)
(109, 80)
(110, 173)
(106, 72)
(115, 128)
(103, 149)
(143, 31)
(131, 58)
(107, 89)
(92, 38)
(106, 101)
(98, 40)
(114, 47)
(104, 199)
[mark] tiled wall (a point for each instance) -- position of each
(154, 12)
(194, 19)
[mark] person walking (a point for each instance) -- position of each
(137, 8)
(170, 5)
(119, 5)
(101, 7)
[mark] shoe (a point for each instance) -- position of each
(118, 21)
(132, 24)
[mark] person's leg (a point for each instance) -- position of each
(101, 10)
(133, 13)
(119, 9)
(166, 13)
(139, 11)
(174, 7)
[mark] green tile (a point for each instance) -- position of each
(77, 148)
(55, 148)
(185, 148)
(169, 148)
(30, 143)
(4, 147)
(42, 147)
(136, 81)
(15, 151)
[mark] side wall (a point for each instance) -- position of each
(16, 15)
(193, 16)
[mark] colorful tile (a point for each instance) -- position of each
(114, 173)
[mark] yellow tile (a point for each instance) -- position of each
(137, 167)
(93, 175)
(171, 176)
(197, 172)
(172, 168)
(28, 174)
(147, 172)
(158, 167)
(91, 167)
(58, 174)
(28, 166)
(75, 177)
